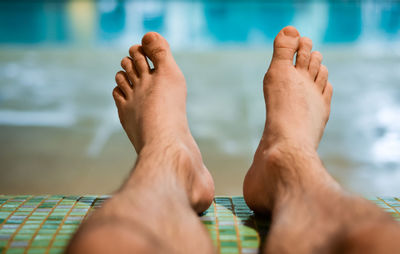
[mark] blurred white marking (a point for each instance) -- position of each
(37, 118)
(108, 125)
(387, 148)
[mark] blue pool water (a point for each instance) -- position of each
(59, 130)
(196, 23)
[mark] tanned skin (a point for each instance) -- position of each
(156, 210)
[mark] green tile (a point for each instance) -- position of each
(66, 231)
(46, 231)
(30, 226)
(14, 221)
(69, 226)
(77, 214)
(247, 238)
(4, 214)
(27, 231)
(249, 243)
(225, 211)
(7, 231)
(72, 222)
(247, 231)
(15, 251)
(33, 222)
(37, 251)
(40, 243)
(39, 215)
(60, 211)
(227, 230)
(49, 205)
(8, 209)
(60, 243)
(63, 237)
(228, 243)
(43, 237)
(54, 217)
(228, 237)
(209, 222)
(56, 250)
(22, 237)
(52, 222)
(229, 250)
(47, 225)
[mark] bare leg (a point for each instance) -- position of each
(155, 211)
(310, 212)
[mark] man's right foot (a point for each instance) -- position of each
(298, 101)
(152, 109)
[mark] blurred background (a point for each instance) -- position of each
(59, 129)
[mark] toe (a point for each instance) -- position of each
(123, 83)
(127, 65)
(157, 49)
(322, 78)
(315, 63)
(118, 95)
(328, 91)
(139, 60)
(304, 53)
(286, 44)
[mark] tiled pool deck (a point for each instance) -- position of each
(44, 224)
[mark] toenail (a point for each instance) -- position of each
(290, 31)
(124, 62)
(148, 38)
(119, 77)
(132, 49)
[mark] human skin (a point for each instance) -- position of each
(155, 210)
(310, 211)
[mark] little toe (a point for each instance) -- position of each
(286, 44)
(127, 65)
(157, 50)
(328, 91)
(322, 78)
(304, 53)
(315, 63)
(119, 96)
(139, 60)
(123, 83)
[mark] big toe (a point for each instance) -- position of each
(286, 44)
(157, 49)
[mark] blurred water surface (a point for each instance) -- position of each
(59, 131)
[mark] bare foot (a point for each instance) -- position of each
(310, 212)
(298, 101)
(152, 109)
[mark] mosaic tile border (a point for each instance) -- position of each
(44, 224)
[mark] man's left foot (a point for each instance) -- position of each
(152, 109)
(297, 99)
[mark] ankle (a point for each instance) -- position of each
(277, 174)
(281, 153)
(176, 165)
